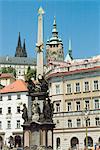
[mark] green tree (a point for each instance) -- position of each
(30, 73)
(8, 70)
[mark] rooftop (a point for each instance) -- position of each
(17, 60)
(72, 65)
(6, 75)
(17, 86)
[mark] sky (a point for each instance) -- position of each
(78, 20)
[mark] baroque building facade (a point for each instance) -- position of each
(75, 91)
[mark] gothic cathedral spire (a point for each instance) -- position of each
(19, 41)
(20, 51)
(24, 49)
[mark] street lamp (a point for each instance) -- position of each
(86, 118)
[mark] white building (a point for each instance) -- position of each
(12, 98)
(6, 79)
(75, 86)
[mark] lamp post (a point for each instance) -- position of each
(86, 131)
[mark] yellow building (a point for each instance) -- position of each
(75, 92)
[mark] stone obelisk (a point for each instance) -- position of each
(39, 44)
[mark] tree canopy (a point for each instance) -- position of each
(8, 70)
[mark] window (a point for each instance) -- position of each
(58, 142)
(77, 87)
(0, 124)
(96, 87)
(86, 86)
(97, 103)
(57, 107)
(69, 106)
(0, 98)
(0, 110)
(18, 109)
(78, 122)
(78, 106)
(57, 121)
(9, 110)
(88, 122)
(87, 104)
(18, 124)
(9, 124)
(9, 97)
(57, 89)
(70, 123)
(97, 121)
(18, 96)
(69, 89)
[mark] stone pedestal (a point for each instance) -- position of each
(36, 134)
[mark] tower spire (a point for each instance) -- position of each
(19, 41)
(54, 30)
(54, 46)
(24, 49)
(70, 45)
(70, 48)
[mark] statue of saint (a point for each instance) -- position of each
(48, 110)
(35, 111)
(31, 86)
(25, 113)
(43, 83)
(36, 108)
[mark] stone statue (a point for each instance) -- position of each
(25, 113)
(35, 111)
(48, 110)
(30, 85)
(43, 83)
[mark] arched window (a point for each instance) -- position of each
(90, 141)
(17, 141)
(58, 142)
(74, 142)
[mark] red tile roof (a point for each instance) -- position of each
(56, 74)
(17, 86)
(6, 75)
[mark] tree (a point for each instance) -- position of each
(30, 73)
(8, 70)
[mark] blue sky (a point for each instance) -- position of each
(76, 19)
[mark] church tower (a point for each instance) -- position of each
(54, 46)
(39, 44)
(20, 51)
(69, 56)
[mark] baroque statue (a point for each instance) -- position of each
(25, 113)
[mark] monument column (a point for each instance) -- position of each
(39, 45)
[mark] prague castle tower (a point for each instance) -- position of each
(54, 46)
